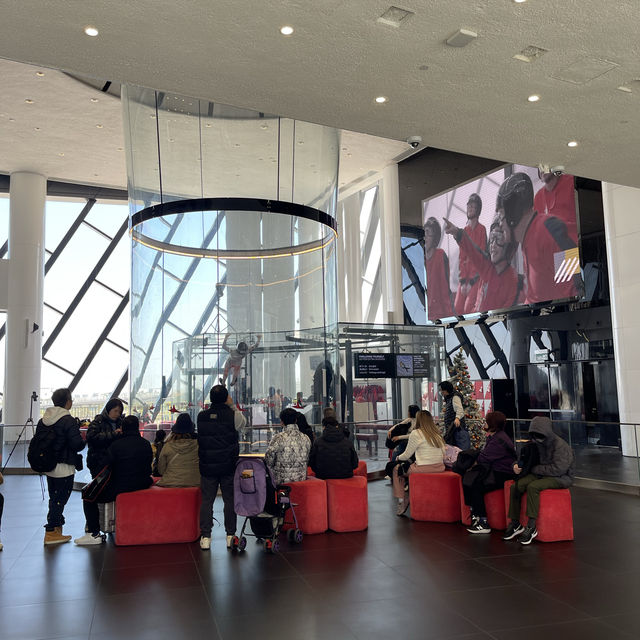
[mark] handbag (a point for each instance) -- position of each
(92, 490)
(465, 460)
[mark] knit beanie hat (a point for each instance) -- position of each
(183, 424)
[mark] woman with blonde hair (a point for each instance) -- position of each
(426, 443)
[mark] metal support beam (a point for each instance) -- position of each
(497, 352)
(470, 350)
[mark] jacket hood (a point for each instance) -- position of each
(333, 434)
(182, 445)
(53, 414)
(542, 426)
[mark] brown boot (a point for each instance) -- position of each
(55, 536)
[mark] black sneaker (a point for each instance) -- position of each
(479, 527)
(527, 536)
(512, 531)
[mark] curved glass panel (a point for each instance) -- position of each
(232, 214)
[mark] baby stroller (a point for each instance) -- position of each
(263, 505)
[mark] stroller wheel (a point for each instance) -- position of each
(234, 543)
(267, 544)
(290, 535)
(275, 546)
(297, 536)
(242, 544)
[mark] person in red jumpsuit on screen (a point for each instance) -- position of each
(499, 286)
(540, 238)
(468, 275)
(557, 198)
(436, 262)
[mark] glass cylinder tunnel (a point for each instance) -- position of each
(232, 218)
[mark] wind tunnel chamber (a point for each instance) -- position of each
(232, 218)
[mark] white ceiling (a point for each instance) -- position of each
(471, 99)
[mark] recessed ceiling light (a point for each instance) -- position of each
(90, 30)
(533, 98)
(120, 148)
(572, 143)
(94, 99)
(29, 101)
(286, 30)
(98, 126)
(36, 128)
(61, 154)
(519, 1)
(39, 74)
(208, 125)
(264, 127)
(381, 99)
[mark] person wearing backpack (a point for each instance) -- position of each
(65, 447)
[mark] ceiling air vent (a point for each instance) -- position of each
(395, 16)
(530, 53)
(584, 70)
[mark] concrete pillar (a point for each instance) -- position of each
(391, 249)
(23, 352)
(622, 232)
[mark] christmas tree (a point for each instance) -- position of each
(459, 377)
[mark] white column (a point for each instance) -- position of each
(23, 352)
(622, 232)
(391, 249)
(351, 279)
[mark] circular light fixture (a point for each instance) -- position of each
(39, 74)
(90, 30)
(533, 98)
(381, 99)
(519, 1)
(286, 30)
(61, 154)
(94, 99)
(29, 101)
(98, 126)
(572, 143)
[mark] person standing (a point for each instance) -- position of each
(67, 444)
(218, 450)
(103, 430)
(456, 433)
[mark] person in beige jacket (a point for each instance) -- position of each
(178, 461)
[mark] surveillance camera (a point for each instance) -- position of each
(414, 141)
(558, 170)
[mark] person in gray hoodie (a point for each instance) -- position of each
(553, 471)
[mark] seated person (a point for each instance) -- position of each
(130, 460)
(426, 443)
(491, 470)
(288, 451)
(332, 455)
(399, 433)
(553, 471)
(156, 447)
(178, 461)
(304, 426)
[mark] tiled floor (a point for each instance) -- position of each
(399, 579)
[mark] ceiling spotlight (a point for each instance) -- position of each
(61, 154)
(519, 1)
(286, 30)
(533, 98)
(381, 99)
(29, 101)
(98, 126)
(94, 99)
(39, 74)
(572, 143)
(36, 128)
(90, 30)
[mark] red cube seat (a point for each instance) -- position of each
(494, 504)
(361, 470)
(158, 515)
(555, 518)
(309, 498)
(435, 497)
(347, 504)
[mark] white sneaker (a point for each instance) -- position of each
(230, 541)
(205, 543)
(0, 546)
(89, 539)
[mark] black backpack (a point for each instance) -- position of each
(41, 454)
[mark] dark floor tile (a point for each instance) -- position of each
(49, 620)
(64, 560)
(186, 630)
(454, 575)
(148, 578)
(144, 555)
(163, 606)
(628, 622)
(51, 588)
(512, 606)
(577, 630)
(326, 560)
(285, 624)
(597, 595)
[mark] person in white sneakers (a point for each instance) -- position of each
(218, 450)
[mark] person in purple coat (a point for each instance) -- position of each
(491, 470)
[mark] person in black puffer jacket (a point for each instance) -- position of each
(332, 455)
(218, 450)
(104, 429)
(130, 460)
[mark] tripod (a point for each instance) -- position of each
(28, 423)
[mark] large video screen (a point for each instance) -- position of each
(506, 239)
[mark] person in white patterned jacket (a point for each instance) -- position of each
(288, 451)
